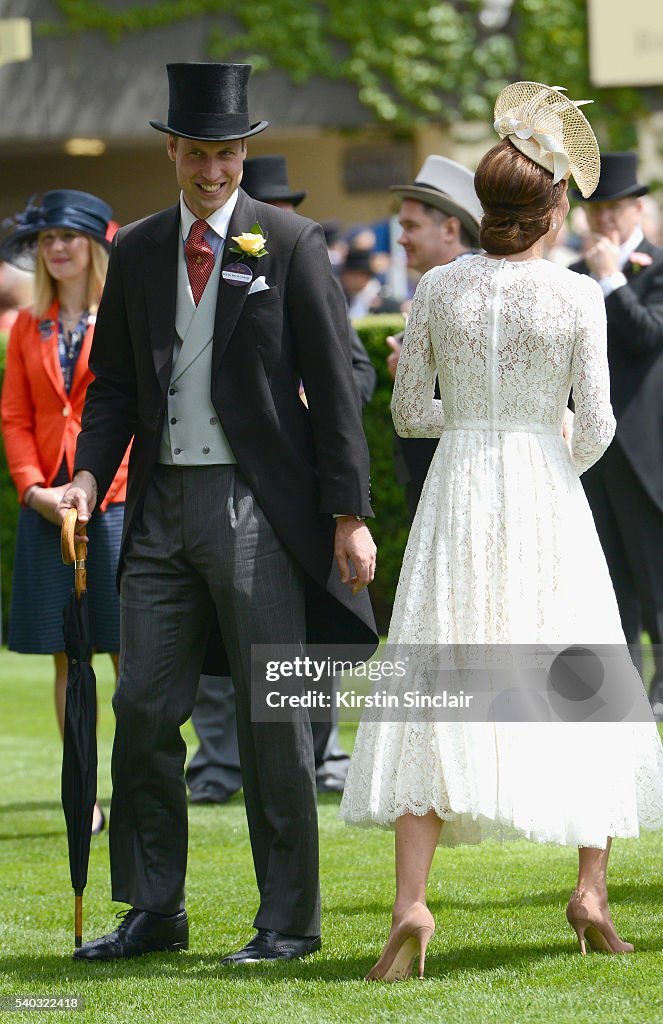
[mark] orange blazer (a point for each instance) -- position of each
(40, 421)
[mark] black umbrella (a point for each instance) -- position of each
(79, 755)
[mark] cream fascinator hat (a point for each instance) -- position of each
(549, 128)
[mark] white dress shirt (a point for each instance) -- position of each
(218, 222)
(618, 279)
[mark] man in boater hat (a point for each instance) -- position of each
(625, 487)
(239, 502)
(439, 218)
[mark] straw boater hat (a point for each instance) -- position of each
(449, 187)
(549, 128)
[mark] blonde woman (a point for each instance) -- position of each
(64, 240)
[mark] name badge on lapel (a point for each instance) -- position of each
(237, 274)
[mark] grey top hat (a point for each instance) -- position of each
(208, 101)
(266, 178)
(449, 187)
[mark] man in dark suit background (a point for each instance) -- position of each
(625, 487)
(240, 501)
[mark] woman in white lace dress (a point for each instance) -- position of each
(503, 548)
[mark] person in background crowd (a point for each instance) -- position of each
(266, 178)
(439, 217)
(213, 774)
(625, 488)
(46, 379)
(15, 294)
(337, 246)
(363, 290)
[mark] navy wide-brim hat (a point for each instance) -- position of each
(208, 102)
(266, 178)
(60, 208)
(618, 179)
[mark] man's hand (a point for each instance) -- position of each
(602, 257)
(392, 359)
(81, 495)
(353, 542)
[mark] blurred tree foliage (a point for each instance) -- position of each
(412, 61)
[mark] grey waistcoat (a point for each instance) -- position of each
(192, 434)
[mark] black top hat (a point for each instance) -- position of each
(618, 179)
(61, 208)
(208, 102)
(358, 259)
(266, 179)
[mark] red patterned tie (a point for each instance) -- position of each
(199, 259)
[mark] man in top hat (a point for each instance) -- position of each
(625, 487)
(214, 774)
(362, 287)
(439, 218)
(266, 178)
(239, 502)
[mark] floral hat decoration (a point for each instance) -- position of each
(551, 130)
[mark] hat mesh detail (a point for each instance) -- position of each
(548, 112)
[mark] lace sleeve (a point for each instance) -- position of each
(594, 424)
(414, 410)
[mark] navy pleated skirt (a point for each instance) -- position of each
(42, 583)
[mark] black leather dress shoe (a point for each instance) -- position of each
(140, 932)
(207, 793)
(269, 945)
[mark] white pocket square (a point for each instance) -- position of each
(259, 285)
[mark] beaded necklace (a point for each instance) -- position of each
(69, 346)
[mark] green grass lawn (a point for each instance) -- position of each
(502, 952)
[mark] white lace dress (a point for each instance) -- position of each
(503, 550)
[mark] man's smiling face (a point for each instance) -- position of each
(207, 172)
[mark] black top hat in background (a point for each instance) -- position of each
(358, 259)
(618, 179)
(208, 102)
(60, 208)
(266, 179)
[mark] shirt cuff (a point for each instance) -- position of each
(612, 283)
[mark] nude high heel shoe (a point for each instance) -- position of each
(596, 926)
(407, 939)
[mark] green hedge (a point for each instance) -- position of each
(389, 527)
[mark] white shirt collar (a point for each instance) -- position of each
(218, 221)
(630, 246)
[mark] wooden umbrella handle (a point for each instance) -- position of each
(78, 918)
(72, 550)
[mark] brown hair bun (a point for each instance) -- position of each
(518, 198)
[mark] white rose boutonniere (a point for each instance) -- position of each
(250, 243)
